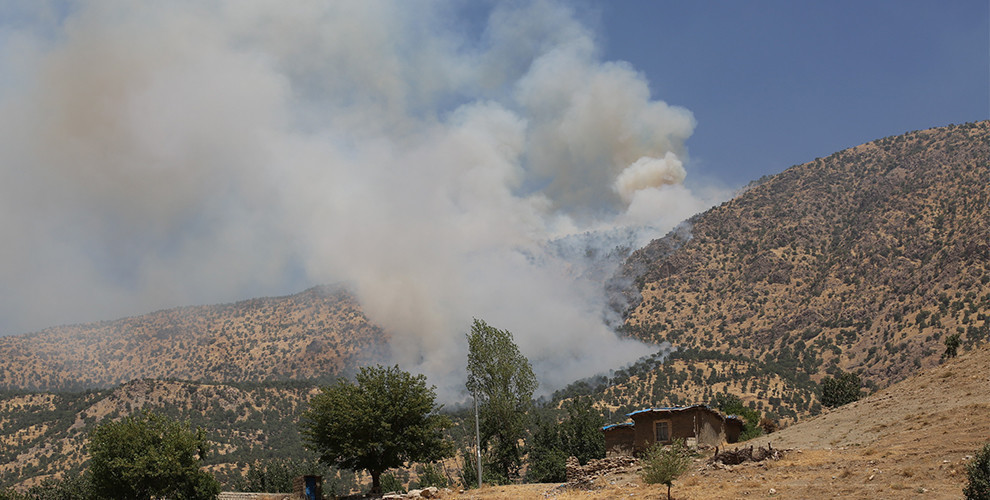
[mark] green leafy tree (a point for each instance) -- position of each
(581, 430)
(978, 473)
(383, 420)
(9, 494)
(146, 456)
(578, 435)
(70, 487)
(502, 380)
(730, 404)
(547, 458)
(277, 476)
(664, 464)
(843, 389)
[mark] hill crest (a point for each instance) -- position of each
(314, 334)
(862, 261)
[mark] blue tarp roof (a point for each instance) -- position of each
(668, 408)
(624, 424)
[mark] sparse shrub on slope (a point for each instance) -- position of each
(843, 389)
(951, 346)
(664, 464)
(833, 264)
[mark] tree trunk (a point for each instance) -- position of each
(376, 482)
(668, 491)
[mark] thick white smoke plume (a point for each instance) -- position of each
(155, 154)
(649, 173)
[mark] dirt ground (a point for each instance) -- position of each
(910, 440)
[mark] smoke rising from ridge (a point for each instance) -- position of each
(162, 154)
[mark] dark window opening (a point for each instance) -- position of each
(663, 432)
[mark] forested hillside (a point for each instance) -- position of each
(45, 433)
(864, 261)
(311, 335)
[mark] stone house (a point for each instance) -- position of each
(619, 438)
(696, 425)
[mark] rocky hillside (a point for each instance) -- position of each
(310, 335)
(865, 261)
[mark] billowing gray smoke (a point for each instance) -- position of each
(155, 154)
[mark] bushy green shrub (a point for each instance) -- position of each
(469, 472)
(431, 475)
(579, 435)
(843, 389)
(549, 466)
(978, 472)
(391, 484)
(70, 487)
(277, 476)
(951, 346)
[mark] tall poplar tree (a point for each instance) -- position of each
(502, 380)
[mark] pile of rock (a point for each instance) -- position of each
(431, 492)
(579, 476)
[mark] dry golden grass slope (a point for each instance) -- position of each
(310, 335)
(910, 440)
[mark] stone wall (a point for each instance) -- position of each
(240, 495)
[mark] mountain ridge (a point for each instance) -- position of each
(867, 261)
(821, 250)
(312, 334)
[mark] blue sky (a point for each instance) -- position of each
(774, 83)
